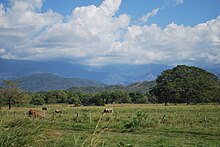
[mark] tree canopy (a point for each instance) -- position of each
(186, 84)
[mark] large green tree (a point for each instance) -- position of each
(185, 84)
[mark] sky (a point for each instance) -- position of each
(96, 32)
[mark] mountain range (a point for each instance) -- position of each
(46, 82)
(110, 74)
(120, 74)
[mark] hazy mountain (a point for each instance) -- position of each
(134, 73)
(110, 74)
(13, 69)
(45, 82)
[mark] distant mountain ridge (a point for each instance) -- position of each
(110, 74)
(119, 74)
(46, 82)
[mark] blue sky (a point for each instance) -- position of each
(97, 32)
(190, 12)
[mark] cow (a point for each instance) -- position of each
(108, 110)
(34, 113)
(58, 111)
(44, 108)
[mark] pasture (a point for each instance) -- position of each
(128, 125)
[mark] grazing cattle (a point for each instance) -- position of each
(44, 108)
(108, 110)
(34, 113)
(58, 111)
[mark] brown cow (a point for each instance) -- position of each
(108, 110)
(34, 113)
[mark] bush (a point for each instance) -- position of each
(37, 100)
(136, 121)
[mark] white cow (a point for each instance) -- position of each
(108, 110)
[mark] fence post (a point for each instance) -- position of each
(77, 116)
(205, 121)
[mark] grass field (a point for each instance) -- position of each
(128, 125)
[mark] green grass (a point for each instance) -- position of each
(129, 125)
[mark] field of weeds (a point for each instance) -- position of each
(128, 125)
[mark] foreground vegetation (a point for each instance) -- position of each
(129, 125)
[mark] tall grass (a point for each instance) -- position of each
(20, 132)
(129, 125)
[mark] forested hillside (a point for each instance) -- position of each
(46, 82)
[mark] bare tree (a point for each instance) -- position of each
(11, 92)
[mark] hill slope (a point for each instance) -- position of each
(142, 86)
(139, 86)
(45, 82)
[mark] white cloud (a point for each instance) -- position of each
(95, 35)
(2, 51)
(177, 2)
(174, 2)
(24, 14)
(2, 9)
(145, 18)
(89, 31)
(21, 24)
(173, 43)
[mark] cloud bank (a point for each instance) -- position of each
(95, 35)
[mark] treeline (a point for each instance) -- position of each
(75, 98)
(182, 84)
(78, 98)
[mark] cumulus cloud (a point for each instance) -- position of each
(96, 35)
(88, 32)
(174, 43)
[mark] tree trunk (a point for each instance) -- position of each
(165, 103)
(187, 101)
(9, 104)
